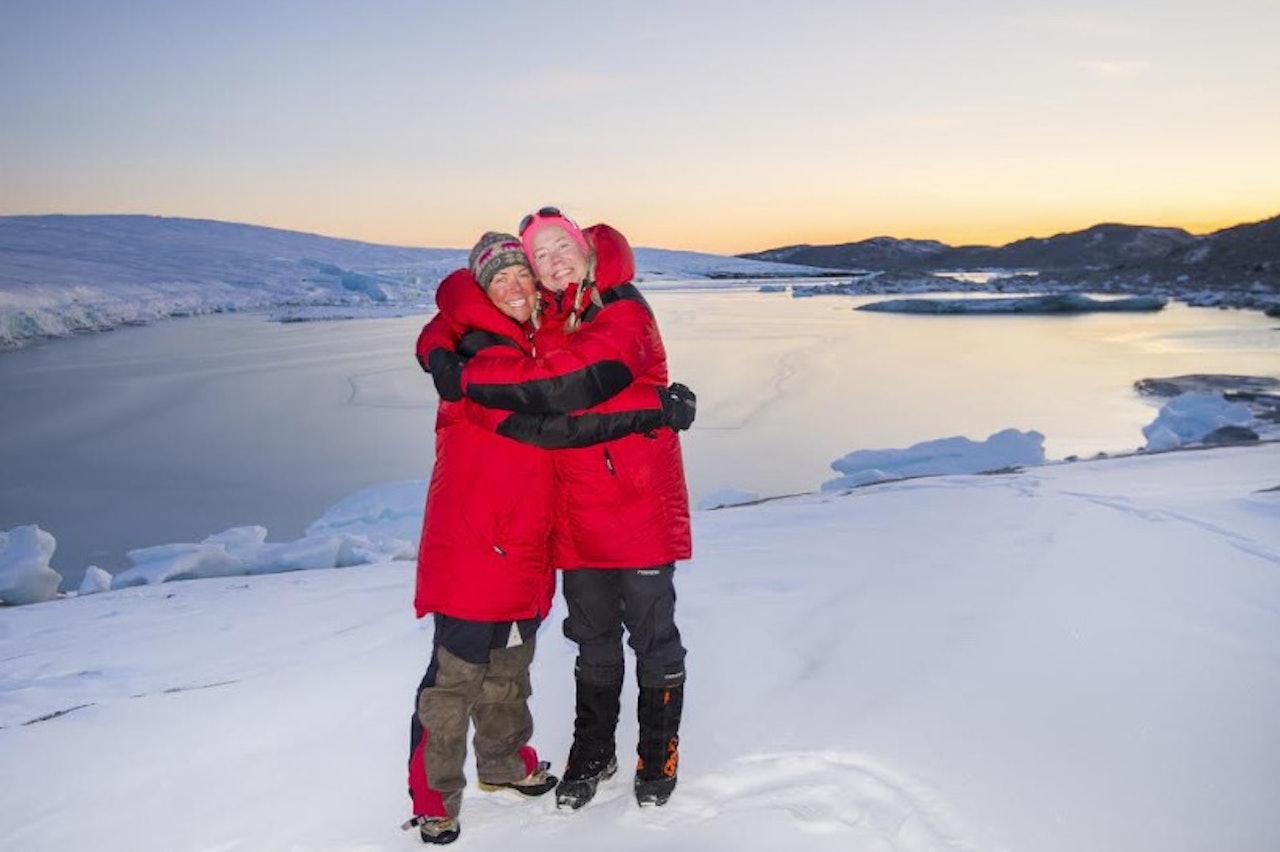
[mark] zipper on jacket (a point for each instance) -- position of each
(498, 550)
(558, 295)
(608, 462)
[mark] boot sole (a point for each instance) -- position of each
(527, 790)
(444, 837)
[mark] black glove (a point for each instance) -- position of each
(679, 406)
(446, 371)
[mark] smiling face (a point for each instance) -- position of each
(557, 258)
(511, 290)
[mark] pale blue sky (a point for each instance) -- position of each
(713, 125)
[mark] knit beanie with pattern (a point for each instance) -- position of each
(493, 253)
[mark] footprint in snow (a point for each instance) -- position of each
(819, 793)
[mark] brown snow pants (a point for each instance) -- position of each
(495, 696)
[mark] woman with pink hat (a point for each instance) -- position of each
(621, 507)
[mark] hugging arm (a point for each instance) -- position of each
(561, 431)
(598, 361)
(677, 407)
(673, 406)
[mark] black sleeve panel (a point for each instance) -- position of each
(574, 391)
(559, 431)
(476, 339)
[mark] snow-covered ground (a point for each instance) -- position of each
(1078, 656)
(65, 274)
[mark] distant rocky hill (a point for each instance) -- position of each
(1134, 257)
(1099, 247)
(877, 253)
(1234, 254)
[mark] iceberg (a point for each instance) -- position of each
(1059, 303)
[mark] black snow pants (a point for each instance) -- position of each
(643, 600)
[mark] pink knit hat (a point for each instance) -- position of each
(545, 217)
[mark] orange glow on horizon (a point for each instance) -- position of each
(741, 236)
(729, 236)
(995, 232)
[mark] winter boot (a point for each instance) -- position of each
(591, 758)
(535, 783)
(658, 710)
(435, 830)
(588, 765)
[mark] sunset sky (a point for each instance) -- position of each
(715, 125)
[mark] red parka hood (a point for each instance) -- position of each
(615, 262)
(460, 298)
(464, 306)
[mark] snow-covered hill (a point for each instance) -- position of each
(65, 274)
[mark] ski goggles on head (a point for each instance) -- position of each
(544, 213)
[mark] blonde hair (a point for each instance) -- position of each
(588, 289)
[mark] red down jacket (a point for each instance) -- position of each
(485, 548)
(622, 503)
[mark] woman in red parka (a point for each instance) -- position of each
(484, 562)
(621, 507)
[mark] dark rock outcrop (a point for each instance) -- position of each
(1233, 267)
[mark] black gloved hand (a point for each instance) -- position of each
(446, 371)
(679, 406)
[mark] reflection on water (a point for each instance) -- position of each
(787, 386)
(182, 429)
